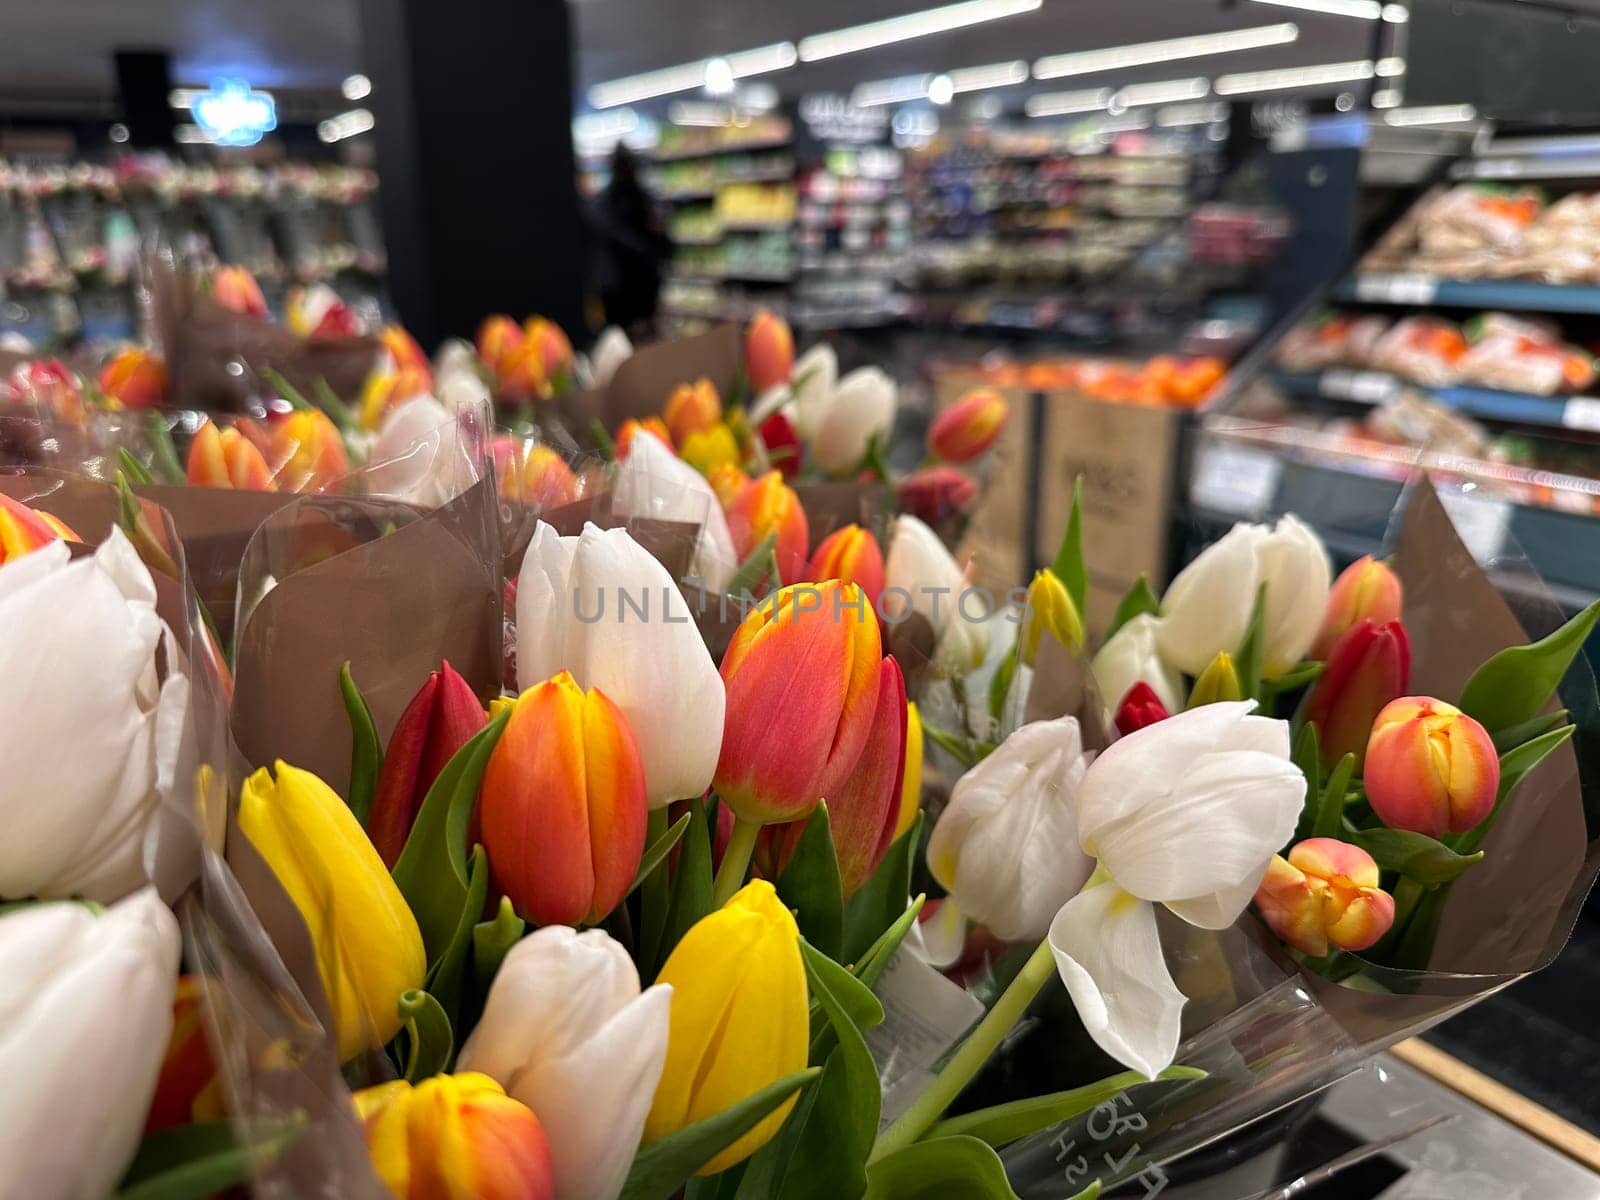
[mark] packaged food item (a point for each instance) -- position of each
(1331, 340)
(1424, 349)
(1519, 355)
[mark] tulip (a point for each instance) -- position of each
(187, 1088)
(134, 378)
(611, 349)
(739, 1019)
(727, 481)
(539, 478)
(441, 718)
(1207, 607)
(921, 578)
(692, 408)
(524, 376)
(548, 338)
(1188, 813)
(654, 483)
(1366, 590)
(237, 291)
(418, 457)
(802, 674)
(1129, 657)
(1218, 683)
(768, 351)
(384, 391)
(969, 426)
(814, 375)
(859, 413)
(1325, 895)
(1430, 768)
(563, 803)
(911, 776)
(225, 458)
(1140, 707)
(782, 442)
(46, 383)
(850, 553)
(310, 449)
(939, 935)
(80, 650)
(936, 494)
(707, 449)
(500, 341)
(654, 426)
(1050, 610)
(404, 351)
(455, 1137)
(1006, 845)
(23, 530)
(317, 311)
(88, 1004)
(368, 947)
(1368, 667)
(567, 1032)
(765, 506)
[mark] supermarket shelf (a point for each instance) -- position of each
(1585, 166)
(1376, 387)
(756, 226)
(1422, 291)
(707, 240)
(689, 195)
(726, 148)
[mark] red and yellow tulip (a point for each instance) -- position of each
(23, 529)
(134, 378)
(1430, 768)
(1368, 666)
(550, 341)
(692, 408)
(310, 450)
(405, 352)
(765, 506)
(969, 426)
(47, 383)
(187, 1089)
(385, 391)
(500, 340)
(1324, 896)
(911, 776)
(936, 494)
(632, 428)
(1366, 590)
(539, 478)
(850, 553)
(225, 458)
(768, 351)
(727, 481)
(524, 377)
(237, 291)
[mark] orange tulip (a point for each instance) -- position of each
(1325, 895)
(455, 1137)
(851, 554)
(768, 351)
(134, 378)
(500, 340)
(692, 408)
(540, 478)
(312, 453)
(23, 529)
(548, 338)
(225, 458)
(802, 674)
(727, 481)
(405, 352)
(1430, 768)
(969, 426)
(768, 505)
(237, 291)
(524, 377)
(186, 1089)
(385, 391)
(1366, 590)
(631, 428)
(563, 805)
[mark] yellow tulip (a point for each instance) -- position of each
(1218, 683)
(911, 781)
(368, 947)
(1050, 610)
(707, 449)
(739, 1019)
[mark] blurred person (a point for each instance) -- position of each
(630, 248)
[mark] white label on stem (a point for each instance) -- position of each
(1481, 522)
(1237, 480)
(923, 1015)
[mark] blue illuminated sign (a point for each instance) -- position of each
(234, 115)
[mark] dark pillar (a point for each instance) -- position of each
(473, 102)
(144, 83)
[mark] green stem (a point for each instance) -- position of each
(969, 1056)
(656, 892)
(735, 861)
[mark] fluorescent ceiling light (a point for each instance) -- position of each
(1084, 62)
(706, 113)
(976, 79)
(1431, 114)
(1172, 91)
(345, 125)
(1294, 77)
(1062, 104)
(901, 90)
(941, 89)
(1386, 98)
(183, 97)
(1365, 10)
(191, 134)
(911, 25)
(688, 76)
(1388, 68)
(1396, 14)
(938, 88)
(356, 87)
(1178, 115)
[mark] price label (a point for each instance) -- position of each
(923, 1016)
(1238, 480)
(1365, 387)
(1481, 522)
(1397, 289)
(1582, 412)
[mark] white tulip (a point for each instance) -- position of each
(601, 606)
(92, 737)
(453, 355)
(1006, 846)
(813, 377)
(86, 1009)
(461, 389)
(1186, 813)
(861, 408)
(567, 1032)
(1207, 607)
(611, 349)
(654, 482)
(419, 456)
(921, 576)
(941, 939)
(1131, 656)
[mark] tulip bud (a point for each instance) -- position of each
(858, 414)
(550, 341)
(311, 451)
(692, 408)
(405, 352)
(368, 947)
(23, 530)
(782, 443)
(654, 426)
(707, 449)
(440, 719)
(850, 553)
(739, 1019)
(936, 494)
(911, 777)
(1367, 667)
(524, 377)
(1366, 590)
(1129, 657)
(768, 351)
(1325, 895)
(225, 458)
(563, 805)
(727, 481)
(134, 378)
(455, 1137)
(500, 341)
(187, 1089)
(317, 311)
(969, 426)
(1050, 610)
(802, 679)
(237, 291)
(540, 478)
(1140, 707)
(46, 383)
(768, 505)
(385, 391)
(1430, 768)
(1218, 683)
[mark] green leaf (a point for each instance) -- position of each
(883, 898)
(1294, 678)
(448, 976)
(1514, 766)
(1007, 1123)
(1517, 682)
(1307, 755)
(287, 390)
(967, 751)
(753, 569)
(940, 1169)
(1000, 684)
(1137, 601)
(1415, 855)
(854, 997)
(691, 886)
(365, 754)
(333, 406)
(492, 941)
(1068, 565)
(163, 454)
(433, 883)
(1509, 739)
(193, 1162)
(656, 853)
(604, 446)
(869, 968)
(810, 884)
(1330, 806)
(132, 467)
(428, 1031)
(1248, 662)
(663, 1166)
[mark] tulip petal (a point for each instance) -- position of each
(653, 482)
(1108, 952)
(1294, 564)
(940, 940)
(1207, 607)
(614, 785)
(1130, 656)
(545, 603)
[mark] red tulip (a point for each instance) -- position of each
(969, 426)
(1367, 667)
(1140, 707)
(1366, 590)
(851, 554)
(186, 1090)
(782, 443)
(1430, 768)
(935, 494)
